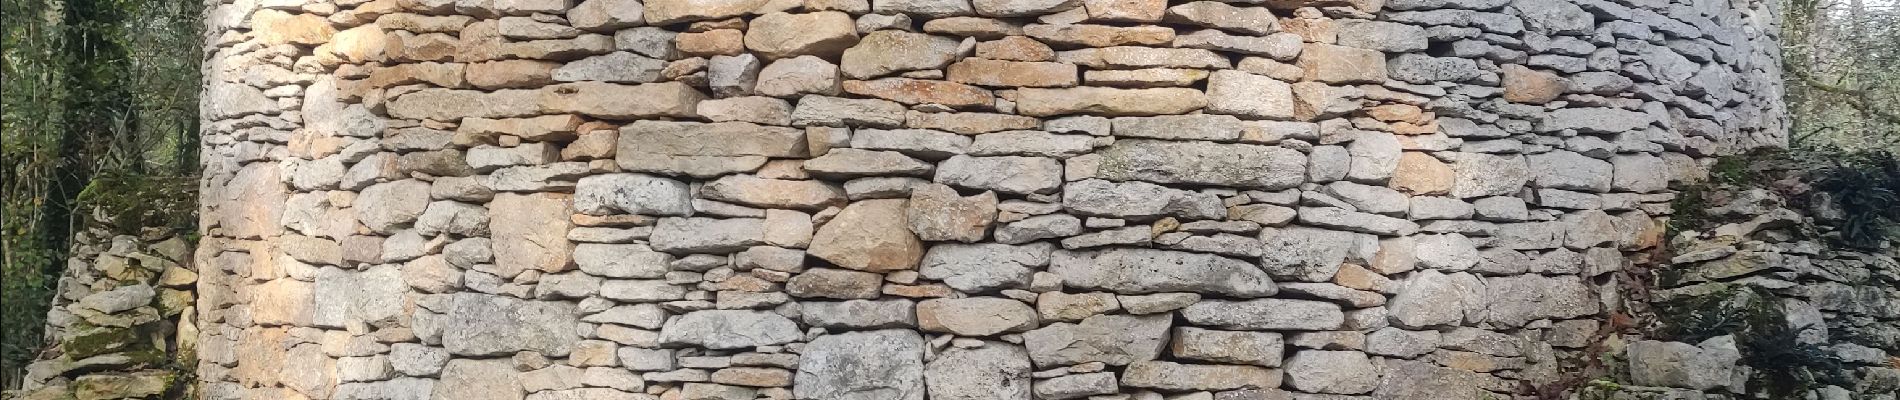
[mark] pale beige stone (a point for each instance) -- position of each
(919, 91)
(983, 72)
(780, 35)
(1108, 101)
(869, 235)
(1421, 174)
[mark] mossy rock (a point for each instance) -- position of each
(99, 340)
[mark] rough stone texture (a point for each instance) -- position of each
(886, 364)
(740, 199)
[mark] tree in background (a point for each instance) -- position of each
(1842, 63)
(88, 88)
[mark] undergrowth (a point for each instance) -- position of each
(1782, 363)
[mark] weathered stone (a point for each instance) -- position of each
(1223, 164)
(1108, 101)
(1002, 73)
(869, 235)
(729, 329)
(707, 235)
(1419, 173)
(860, 314)
(1089, 35)
(346, 297)
(1007, 174)
(612, 67)
(1133, 271)
(838, 111)
(1525, 85)
(664, 12)
(1163, 375)
(995, 371)
(1230, 347)
(530, 231)
(774, 193)
(1138, 200)
(602, 15)
(938, 213)
(632, 193)
(798, 75)
(754, 109)
(919, 91)
(1517, 300)
(854, 162)
(1480, 175)
(1278, 46)
(1340, 64)
(386, 207)
(704, 150)
(1109, 339)
(779, 35)
(1245, 20)
(886, 52)
(1076, 386)
(979, 268)
(834, 284)
(975, 316)
(1674, 364)
(924, 8)
(1265, 314)
(1248, 95)
(881, 365)
(1431, 298)
(487, 325)
(1340, 372)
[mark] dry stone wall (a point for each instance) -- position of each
(946, 199)
(120, 324)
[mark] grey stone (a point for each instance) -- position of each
(994, 371)
(1228, 347)
(707, 235)
(1038, 228)
(1075, 386)
(487, 325)
(1138, 200)
(624, 67)
(1339, 372)
(490, 379)
(1173, 377)
(859, 314)
(730, 329)
(1135, 271)
(1110, 339)
(1430, 298)
(1310, 254)
(1203, 163)
(979, 268)
(1007, 174)
(1265, 314)
(975, 316)
(1516, 300)
(875, 365)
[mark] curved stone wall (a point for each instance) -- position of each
(946, 199)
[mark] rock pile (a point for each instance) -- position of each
(946, 199)
(1774, 261)
(120, 319)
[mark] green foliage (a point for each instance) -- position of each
(92, 88)
(1865, 186)
(1785, 365)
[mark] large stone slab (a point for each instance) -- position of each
(729, 329)
(1142, 271)
(1110, 339)
(984, 267)
(869, 235)
(1265, 314)
(489, 325)
(875, 365)
(1040, 102)
(704, 149)
(374, 295)
(1203, 163)
(490, 379)
(530, 232)
(995, 371)
(1139, 200)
